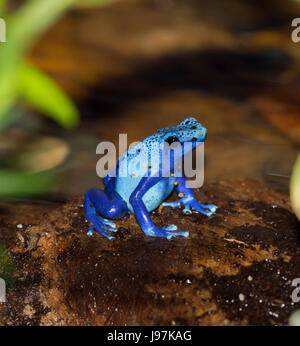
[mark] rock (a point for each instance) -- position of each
(68, 278)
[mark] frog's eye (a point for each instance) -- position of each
(172, 139)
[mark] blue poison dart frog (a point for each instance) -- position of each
(143, 189)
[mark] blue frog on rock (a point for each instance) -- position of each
(146, 186)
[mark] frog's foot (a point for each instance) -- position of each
(176, 204)
(207, 210)
(101, 225)
(167, 232)
(211, 207)
(189, 204)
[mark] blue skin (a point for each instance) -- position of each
(143, 189)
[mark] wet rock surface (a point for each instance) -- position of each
(236, 268)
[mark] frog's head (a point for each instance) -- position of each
(189, 130)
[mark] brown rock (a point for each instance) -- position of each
(235, 268)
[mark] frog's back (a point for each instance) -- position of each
(134, 165)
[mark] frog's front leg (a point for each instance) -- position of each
(107, 203)
(189, 201)
(142, 213)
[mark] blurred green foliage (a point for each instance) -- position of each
(22, 183)
(95, 2)
(41, 92)
(20, 81)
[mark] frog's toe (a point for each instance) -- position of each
(100, 230)
(197, 207)
(171, 235)
(91, 231)
(175, 204)
(211, 207)
(170, 228)
(100, 224)
(187, 210)
(108, 223)
(168, 232)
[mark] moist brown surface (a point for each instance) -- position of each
(236, 268)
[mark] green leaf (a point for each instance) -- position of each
(2, 7)
(44, 94)
(86, 3)
(295, 188)
(31, 20)
(23, 28)
(14, 183)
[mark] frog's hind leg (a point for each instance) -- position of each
(109, 204)
(143, 216)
